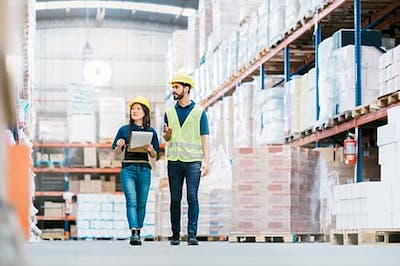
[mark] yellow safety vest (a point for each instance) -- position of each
(185, 144)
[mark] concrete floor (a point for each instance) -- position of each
(107, 253)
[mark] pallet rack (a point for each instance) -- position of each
(66, 170)
(297, 50)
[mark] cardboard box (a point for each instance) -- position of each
(54, 209)
(89, 157)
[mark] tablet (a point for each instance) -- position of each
(140, 138)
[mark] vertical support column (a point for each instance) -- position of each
(287, 63)
(317, 41)
(66, 188)
(358, 92)
(262, 87)
(262, 77)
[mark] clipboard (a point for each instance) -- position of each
(140, 139)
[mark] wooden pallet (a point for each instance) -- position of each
(307, 132)
(277, 238)
(365, 109)
(388, 99)
(199, 238)
(364, 236)
(337, 119)
(309, 237)
(52, 238)
(284, 238)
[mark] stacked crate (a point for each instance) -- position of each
(270, 187)
(225, 20)
(389, 71)
(95, 216)
(81, 113)
(344, 78)
(389, 158)
(112, 113)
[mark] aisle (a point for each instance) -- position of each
(106, 253)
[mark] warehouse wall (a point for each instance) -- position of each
(135, 52)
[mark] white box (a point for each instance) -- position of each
(388, 153)
(82, 128)
(385, 135)
(396, 53)
(394, 115)
(390, 172)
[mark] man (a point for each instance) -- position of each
(186, 131)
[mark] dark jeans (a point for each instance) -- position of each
(135, 181)
(177, 172)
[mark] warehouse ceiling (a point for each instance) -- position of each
(166, 12)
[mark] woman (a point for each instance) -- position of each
(135, 173)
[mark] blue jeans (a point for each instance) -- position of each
(177, 172)
(135, 181)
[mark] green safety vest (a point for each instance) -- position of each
(185, 144)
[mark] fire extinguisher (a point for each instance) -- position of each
(350, 151)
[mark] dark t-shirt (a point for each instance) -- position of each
(124, 133)
(183, 113)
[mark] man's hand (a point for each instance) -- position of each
(167, 132)
(204, 170)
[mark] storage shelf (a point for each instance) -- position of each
(78, 170)
(53, 218)
(60, 193)
(343, 127)
(333, 17)
(50, 193)
(70, 145)
(266, 55)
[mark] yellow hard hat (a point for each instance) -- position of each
(141, 100)
(183, 78)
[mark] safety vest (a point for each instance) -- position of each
(185, 144)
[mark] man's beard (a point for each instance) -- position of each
(177, 97)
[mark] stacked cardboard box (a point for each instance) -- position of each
(90, 186)
(332, 171)
(389, 158)
(274, 190)
(112, 113)
(344, 79)
(225, 20)
(193, 43)
(276, 21)
(101, 216)
(54, 209)
(243, 102)
(205, 24)
(389, 71)
(163, 220)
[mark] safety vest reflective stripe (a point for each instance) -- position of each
(185, 145)
(185, 154)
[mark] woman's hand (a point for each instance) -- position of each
(120, 143)
(150, 149)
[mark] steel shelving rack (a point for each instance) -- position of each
(66, 170)
(298, 49)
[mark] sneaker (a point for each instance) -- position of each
(192, 241)
(175, 240)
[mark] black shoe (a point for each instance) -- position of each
(192, 241)
(175, 240)
(135, 238)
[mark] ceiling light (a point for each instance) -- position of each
(147, 7)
